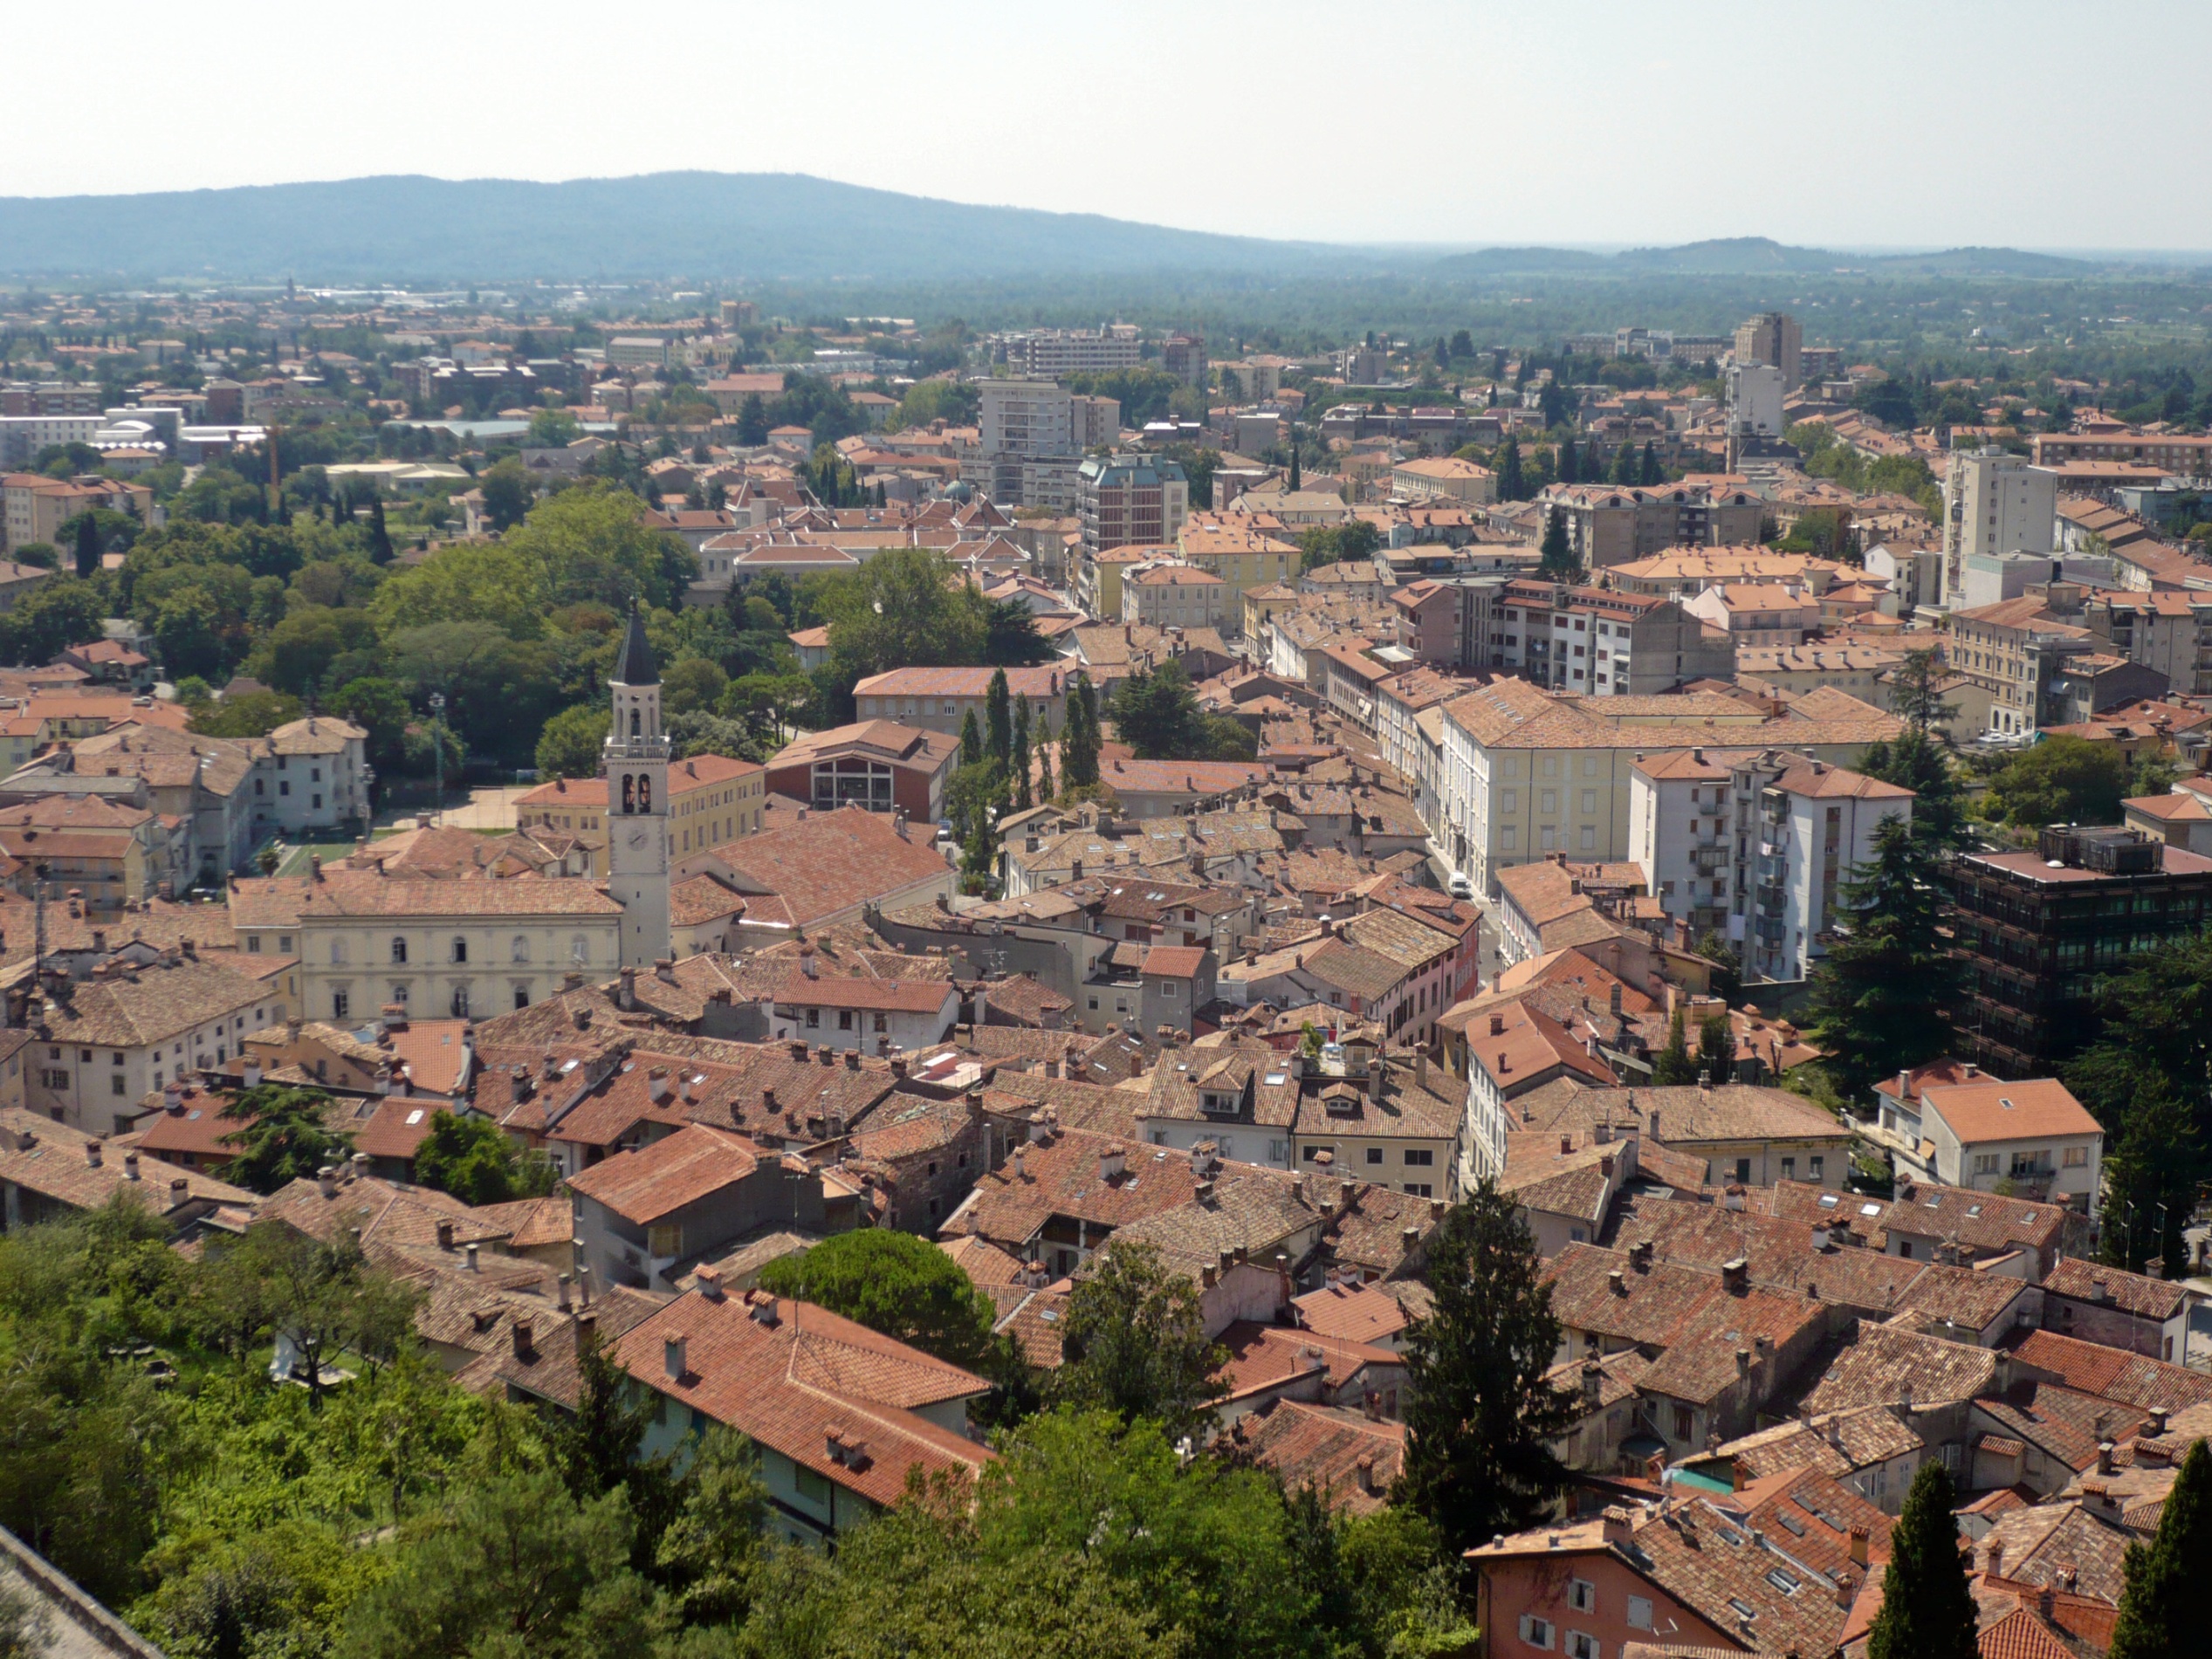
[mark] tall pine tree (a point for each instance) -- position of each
(970, 739)
(87, 546)
(2159, 1614)
(1481, 1413)
(1878, 995)
(1650, 471)
(1927, 1608)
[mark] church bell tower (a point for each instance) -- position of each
(636, 760)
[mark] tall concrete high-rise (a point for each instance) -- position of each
(1776, 339)
(1993, 501)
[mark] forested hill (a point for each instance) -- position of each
(701, 226)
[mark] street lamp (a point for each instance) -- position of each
(438, 743)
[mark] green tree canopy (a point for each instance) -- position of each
(895, 1283)
(471, 1158)
(282, 1136)
(569, 745)
(1133, 1342)
(2062, 779)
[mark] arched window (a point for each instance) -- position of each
(629, 793)
(460, 1002)
(399, 950)
(399, 994)
(634, 728)
(521, 948)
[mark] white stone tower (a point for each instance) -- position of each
(635, 758)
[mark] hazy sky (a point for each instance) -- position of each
(1858, 122)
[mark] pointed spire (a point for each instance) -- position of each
(635, 666)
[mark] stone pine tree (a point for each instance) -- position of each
(1482, 1414)
(2160, 1616)
(1928, 1607)
(1879, 995)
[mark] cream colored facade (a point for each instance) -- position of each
(1173, 596)
(435, 948)
(1240, 555)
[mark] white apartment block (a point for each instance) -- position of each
(1994, 502)
(1759, 846)
(1526, 772)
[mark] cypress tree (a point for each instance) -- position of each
(87, 546)
(1716, 1048)
(1571, 468)
(1625, 464)
(1556, 559)
(1651, 470)
(379, 539)
(998, 719)
(1927, 1609)
(1079, 739)
(1296, 474)
(1021, 799)
(971, 740)
(1512, 486)
(2159, 1618)
(1671, 1067)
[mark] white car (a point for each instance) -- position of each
(1460, 886)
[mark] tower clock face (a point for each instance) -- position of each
(637, 837)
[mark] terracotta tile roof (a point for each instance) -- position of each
(1890, 1366)
(534, 1223)
(50, 1160)
(829, 862)
(1262, 1357)
(1838, 1443)
(833, 1396)
(2042, 1544)
(2129, 1379)
(1368, 1313)
(2086, 1281)
(668, 1174)
(1349, 1458)
(1988, 1109)
(896, 996)
(342, 893)
(152, 1004)
(388, 1214)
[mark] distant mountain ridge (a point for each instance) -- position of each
(702, 225)
(769, 226)
(1760, 256)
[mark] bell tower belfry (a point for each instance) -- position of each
(635, 759)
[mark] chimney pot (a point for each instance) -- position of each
(672, 1357)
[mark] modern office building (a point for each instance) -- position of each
(2034, 931)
